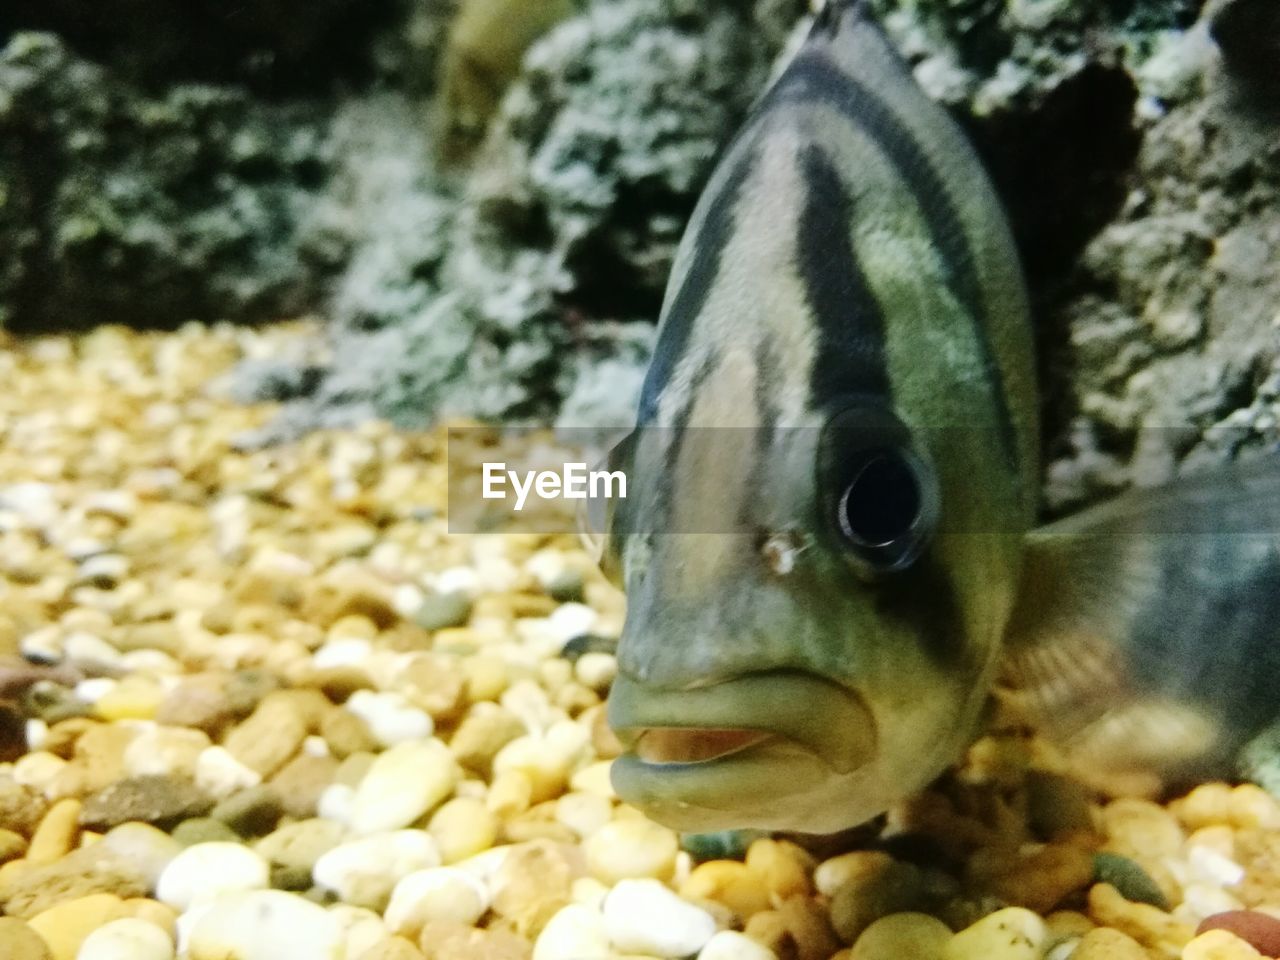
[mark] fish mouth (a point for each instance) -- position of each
(752, 751)
(694, 744)
(711, 724)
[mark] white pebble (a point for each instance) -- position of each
(391, 718)
(265, 925)
(103, 569)
(314, 746)
(375, 863)
(1211, 866)
(596, 670)
(456, 580)
(37, 770)
(407, 599)
(645, 916)
(1200, 900)
(219, 774)
(583, 813)
(127, 939)
(403, 784)
(440, 893)
(206, 870)
(343, 652)
(42, 646)
(155, 662)
(571, 620)
(576, 932)
(335, 803)
(731, 945)
(36, 734)
(163, 751)
(94, 689)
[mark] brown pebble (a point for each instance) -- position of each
(199, 702)
(63, 735)
(346, 733)
(301, 781)
(21, 808)
(159, 800)
(19, 942)
(12, 845)
(29, 890)
(269, 738)
(1259, 929)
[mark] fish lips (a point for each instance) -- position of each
(714, 725)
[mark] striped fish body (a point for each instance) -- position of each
(845, 314)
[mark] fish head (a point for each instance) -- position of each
(831, 472)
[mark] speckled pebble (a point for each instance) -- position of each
(1013, 933)
(156, 799)
(127, 939)
(644, 916)
(209, 869)
(265, 925)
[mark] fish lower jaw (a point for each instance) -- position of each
(688, 745)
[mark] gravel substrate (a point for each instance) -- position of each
(262, 706)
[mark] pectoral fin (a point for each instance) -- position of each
(1145, 641)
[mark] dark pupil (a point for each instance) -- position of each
(881, 503)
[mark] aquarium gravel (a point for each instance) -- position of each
(262, 705)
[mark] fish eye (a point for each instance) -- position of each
(886, 507)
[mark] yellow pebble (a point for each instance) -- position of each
(1251, 807)
(1067, 923)
(510, 794)
(1151, 927)
(1013, 933)
(133, 698)
(833, 874)
(486, 677)
(56, 835)
(154, 912)
(1219, 945)
(65, 925)
(728, 882)
(627, 849)
(1204, 806)
(902, 935)
(782, 867)
(462, 827)
(1106, 944)
(21, 942)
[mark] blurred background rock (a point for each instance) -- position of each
(480, 199)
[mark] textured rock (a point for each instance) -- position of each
(154, 799)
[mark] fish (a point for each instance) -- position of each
(831, 547)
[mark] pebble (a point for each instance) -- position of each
(162, 800)
(203, 830)
(346, 734)
(866, 897)
(21, 807)
(900, 935)
(644, 916)
(145, 848)
(1219, 944)
(728, 882)
(1106, 944)
(19, 942)
(1128, 877)
(57, 832)
(575, 932)
(482, 734)
(252, 812)
(441, 610)
(404, 783)
(164, 751)
(782, 866)
(127, 939)
(301, 782)
(265, 925)
(299, 845)
(583, 813)
(65, 926)
(462, 827)
(627, 849)
(392, 948)
(439, 894)
(1259, 929)
(219, 774)
(364, 871)
(267, 740)
(731, 945)
(206, 870)
(390, 717)
(1013, 933)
